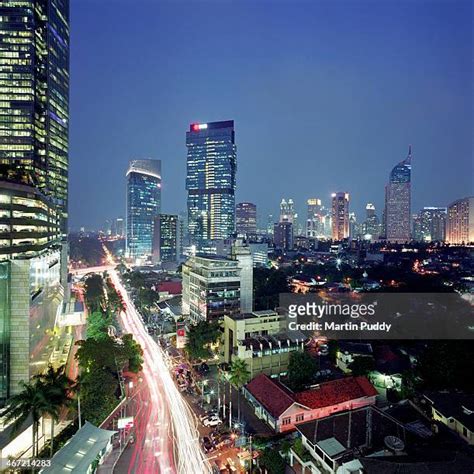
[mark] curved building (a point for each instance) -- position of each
(143, 206)
(398, 202)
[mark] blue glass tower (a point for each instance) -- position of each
(143, 206)
(211, 180)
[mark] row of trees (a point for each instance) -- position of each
(102, 356)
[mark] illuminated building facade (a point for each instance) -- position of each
(34, 96)
(143, 206)
(340, 216)
(283, 235)
(460, 226)
(34, 126)
(211, 181)
(287, 211)
(246, 218)
(314, 220)
(429, 225)
(398, 202)
(371, 228)
(165, 240)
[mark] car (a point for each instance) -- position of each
(207, 444)
(212, 421)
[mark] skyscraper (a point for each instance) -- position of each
(287, 211)
(165, 239)
(371, 227)
(34, 96)
(211, 181)
(143, 206)
(398, 202)
(283, 235)
(430, 224)
(314, 224)
(34, 122)
(246, 218)
(340, 216)
(460, 227)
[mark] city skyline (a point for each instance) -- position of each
(359, 108)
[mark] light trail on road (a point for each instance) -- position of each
(171, 442)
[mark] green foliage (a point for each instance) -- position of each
(362, 366)
(272, 461)
(268, 284)
(97, 325)
(200, 337)
(98, 391)
(130, 354)
(301, 368)
(97, 353)
(239, 373)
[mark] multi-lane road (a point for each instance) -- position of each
(167, 440)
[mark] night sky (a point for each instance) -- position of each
(326, 96)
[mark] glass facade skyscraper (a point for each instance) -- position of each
(340, 216)
(34, 96)
(165, 238)
(246, 218)
(211, 181)
(143, 206)
(398, 202)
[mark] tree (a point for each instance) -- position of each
(57, 387)
(97, 353)
(130, 353)
(97, 325)
(31, 401)
(362, 366)
(200, 337)
(301, 368)
(239, 376)
(268, 284)
(272, 461)
(94, 294)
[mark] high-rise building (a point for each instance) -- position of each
(119, 227)
(34, 122)
(246, 219)
(460, 226)
(34, 96)
(314, 225)
(283, 235)
(340, 216)
(398, 202)
(287, 211)
(165, 238)
(213, 286)
(270, 224)
(371, 228)
(211, 181)
(143, 206)
(429, 225)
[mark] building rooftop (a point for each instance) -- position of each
(276, 398)
(253, 314)
(457, 405)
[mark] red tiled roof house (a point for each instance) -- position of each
(282, 409)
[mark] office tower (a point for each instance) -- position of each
(287, 211)
(165, 238)
(34, 96)
(212, 287)
(119, 227)
(270, 224)
(143, 206)
(283, 235)
(314, 218)
(398, 202)
(259, 253)
(34, 120)
(354, 227)
(460, 226)
(211, 181)
(430, 224)
(371, 228)
(246, 219)
(340, 216)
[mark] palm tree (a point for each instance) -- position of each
(57, 387)
(239, 376)
(31, 401)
